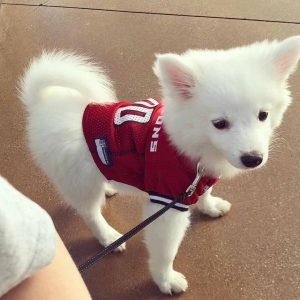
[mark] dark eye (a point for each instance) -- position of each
(221, 124)
(262, 116)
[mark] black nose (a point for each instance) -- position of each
(251, 160)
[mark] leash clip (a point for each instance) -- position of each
(191, 189)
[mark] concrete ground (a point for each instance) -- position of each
(254, 252)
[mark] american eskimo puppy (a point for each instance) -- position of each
(220, 107)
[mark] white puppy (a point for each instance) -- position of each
(220, 108)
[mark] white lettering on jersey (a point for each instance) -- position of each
(131, 114)
(156, 130)
(155, 134)
(149, 102)
(159, 120)
(153, 146)
(135, 112)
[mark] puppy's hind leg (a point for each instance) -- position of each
(87, 198)
(91, 213)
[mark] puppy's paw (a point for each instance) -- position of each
(174, 282)
(110, 237)
(214, 206)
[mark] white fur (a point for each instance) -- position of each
(235, 84)
(198, 87)
(213, 206)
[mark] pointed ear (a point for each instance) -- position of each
(174, 74)
(287, 56)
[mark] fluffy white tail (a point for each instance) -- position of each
(65, 70)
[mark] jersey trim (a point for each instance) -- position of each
(163, 200)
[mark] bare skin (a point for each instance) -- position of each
(59, 280)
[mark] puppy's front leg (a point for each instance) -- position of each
(213, 206)
(163, 238)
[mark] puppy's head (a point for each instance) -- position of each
(222, 106)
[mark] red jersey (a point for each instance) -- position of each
(129, 144)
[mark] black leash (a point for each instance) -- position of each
(191, 189)
(82, 268)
